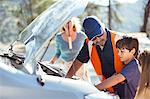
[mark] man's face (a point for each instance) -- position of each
(100, 39)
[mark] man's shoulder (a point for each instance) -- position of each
(118, 35)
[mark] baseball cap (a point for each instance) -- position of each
(92, 27)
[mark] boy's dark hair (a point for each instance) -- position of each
(128, 43)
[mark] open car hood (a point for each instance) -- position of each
(37, 35)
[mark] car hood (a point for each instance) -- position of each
(45, 26)
(17, 78)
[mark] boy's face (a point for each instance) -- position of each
(125, 55)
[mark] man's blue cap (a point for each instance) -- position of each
(92, 27)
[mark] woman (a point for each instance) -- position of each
(68, 44)
(144, 88)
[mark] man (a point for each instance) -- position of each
(100, 48)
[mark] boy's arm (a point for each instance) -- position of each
(111, 81)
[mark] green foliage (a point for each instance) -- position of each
(38, 6)
(17, 14)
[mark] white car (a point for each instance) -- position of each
(16, 84)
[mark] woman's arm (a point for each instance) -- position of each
(58, 52)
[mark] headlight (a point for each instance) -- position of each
(101, 95)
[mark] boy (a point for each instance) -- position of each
(129, 76)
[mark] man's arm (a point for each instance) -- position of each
(111, 81)
(74, 68)
(53, 60)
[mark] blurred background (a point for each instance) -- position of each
(127, 16)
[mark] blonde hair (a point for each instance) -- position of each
(76, 25)
(144, 60)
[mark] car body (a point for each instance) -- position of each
(16, 84)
